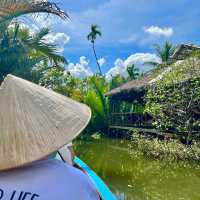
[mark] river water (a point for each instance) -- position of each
(131, 176)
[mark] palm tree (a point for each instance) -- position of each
(20, 51)
(164, 52)
(92, 36)
(133, 72)
(13, 52)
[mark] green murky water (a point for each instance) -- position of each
(134, 177)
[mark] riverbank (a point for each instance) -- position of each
(169, 150)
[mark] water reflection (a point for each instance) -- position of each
(134, 177)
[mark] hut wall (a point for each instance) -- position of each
(126, 114)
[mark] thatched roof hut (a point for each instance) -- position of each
(136, 89)
(130, 91)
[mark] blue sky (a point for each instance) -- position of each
(129, 28)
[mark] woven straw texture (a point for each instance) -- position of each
(35, 122)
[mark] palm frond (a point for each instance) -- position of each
(10, 9)
(164, 52)
(91, 37)
(38, 43)
(41, 34)
(95, 31)
(98, 33)
(20, 51)
(49, 50)
(98, 86)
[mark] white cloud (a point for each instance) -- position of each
(102, 61)
(81, 69)
(83, 61)
(138, 59)
(120, 31)
(58, 39)
(141, 58)
(158, 31)
(118, 69)
(23, 25)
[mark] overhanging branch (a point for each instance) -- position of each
(10, 10)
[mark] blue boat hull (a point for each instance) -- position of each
(102, 188)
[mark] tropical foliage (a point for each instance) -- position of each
(164, 53)
(116, 81)
(20, 51)
(57, 79)
(133, 72)
(175, 100)
(90, 91)
(11, 9)
(99, 104)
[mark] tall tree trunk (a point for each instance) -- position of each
(95, 55)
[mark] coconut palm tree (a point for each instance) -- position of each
(92, 36)
(163, 52)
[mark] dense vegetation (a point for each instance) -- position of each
(20, 50)
(90, 91)
(28, 55)
(173, 100)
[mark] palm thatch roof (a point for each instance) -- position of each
(135, 89)
(183, 51)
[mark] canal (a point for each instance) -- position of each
(131, 176)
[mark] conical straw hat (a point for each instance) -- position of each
(35, 122)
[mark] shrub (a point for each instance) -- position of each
(174, 101)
